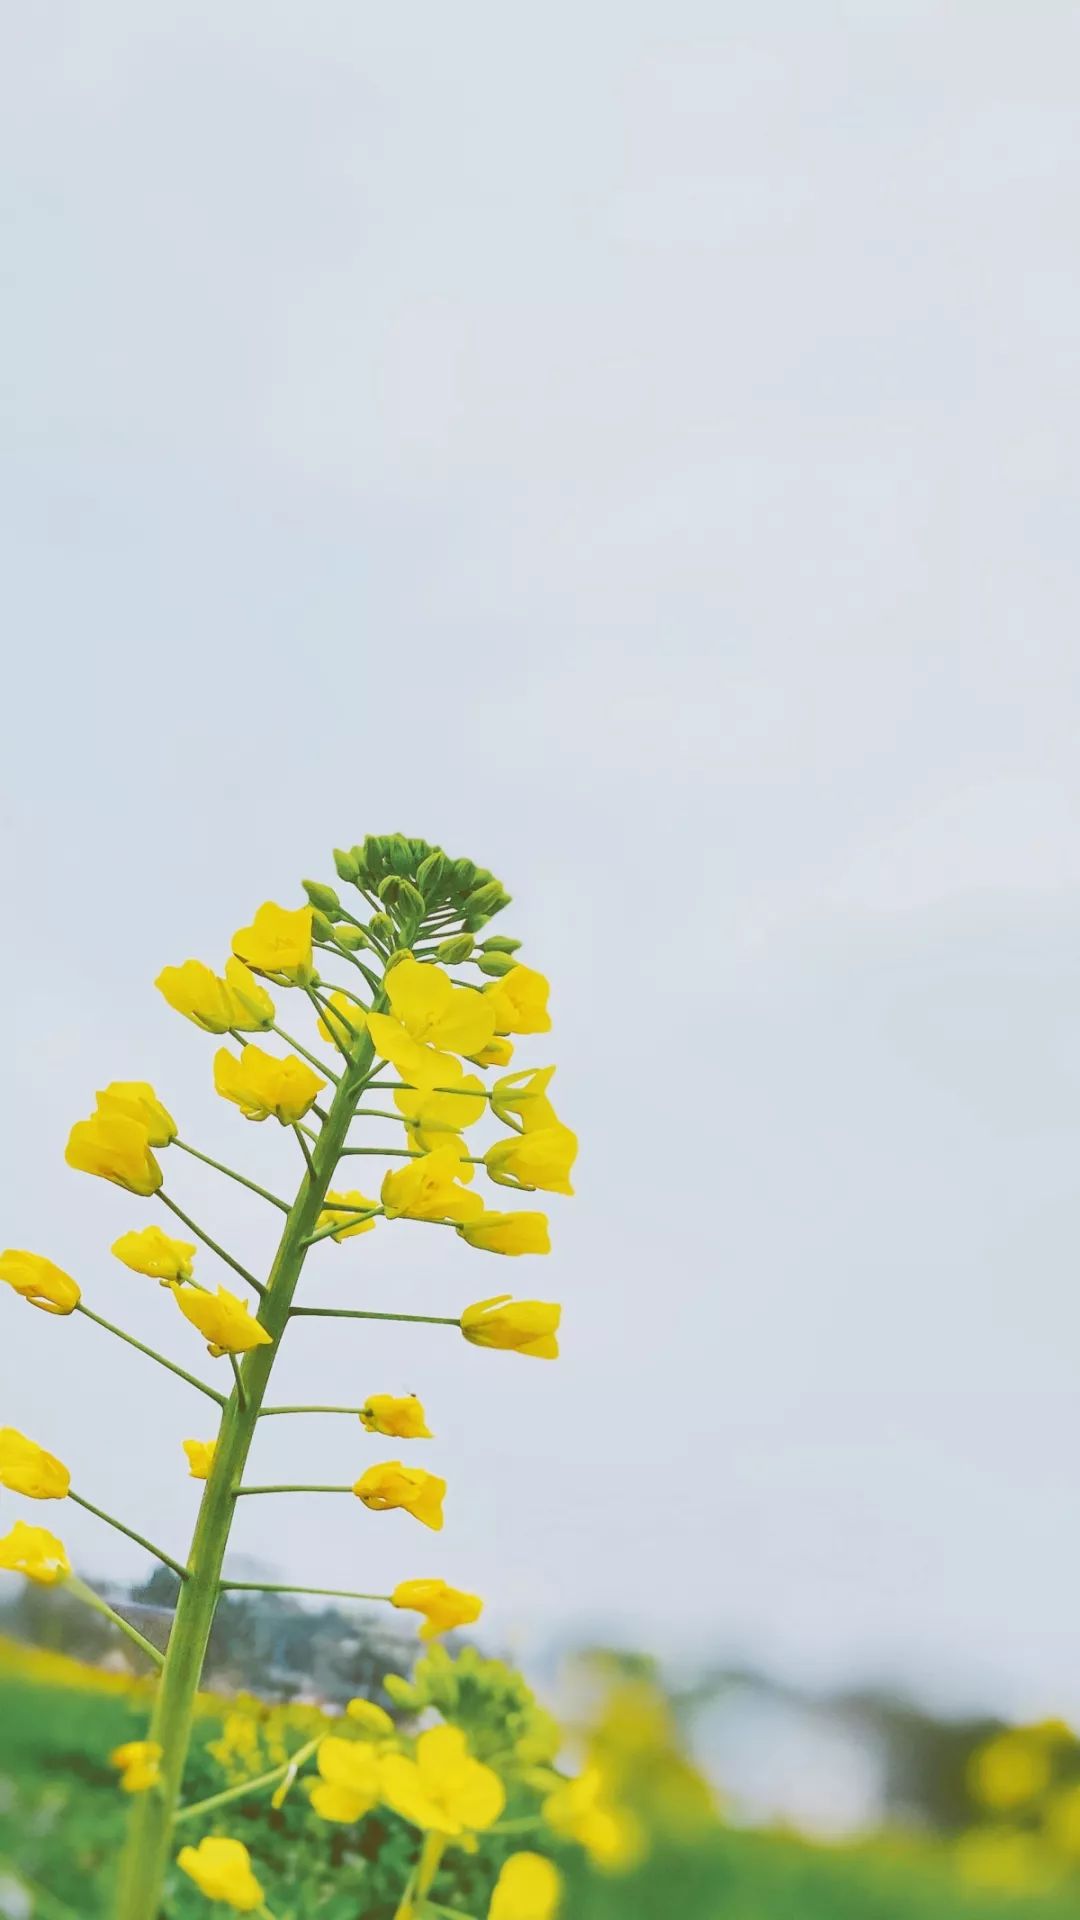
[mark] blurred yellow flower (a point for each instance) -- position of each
(348, 1226)
(514, 1326)
(38, 1281)
(444, 1790)
(426, 1189)
(222, 1319)
(509, 1233)
(138, 1763)
(1061, 1820)
(34, 1552)
(437, 1013)
(528, 1888)
(443, 1607)
(200, 1457)
(410, 1488)
(221, 1869)
(1009, 1771)
(584, 1811)
(371, 1719)
(1005, 1860)
(541, 1159)
(156, 1253)
(235, 1004)
(400, 1416)
(519, 1001)
(348, 1784)
(278, 944)
(419, 1065)
(347, 1020)
(265, 1087)
(114, 1148)
(136, 1100)
(26, 1468)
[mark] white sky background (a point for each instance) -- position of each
(635, 447)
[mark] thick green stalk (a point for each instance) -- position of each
(149, 1838)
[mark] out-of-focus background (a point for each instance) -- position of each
(635, 449)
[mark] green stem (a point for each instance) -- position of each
(239, 1490)
(300, 1132)
(91, 1599)
(245, 1787)
(241, 1178)
(147, 1851)
(361, 1313)
(139, 1539)
(311, 1058)
(272, 1586)
(130, 1340)
(207, 1242)
(344, 1216)
(268, 1412)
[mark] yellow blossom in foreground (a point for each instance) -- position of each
(444, 1790)
(371, 1719)
(402, 1418)
(222, 1319)
(136, 1100)
(435, 1012)
(435, 1113)
(347, 1226)
(221, 1869)
(1003, 1859)
(498, 1053)
(114, 1148)
(39, 1281)
(156, 1253)
(26, 1468)
(583, 1810)
(421, 1066)
(34, 1552)
(442, 1606)
(541, 1159)
(519, 1001)
(410, 1488)
(515, 1326)
(138, 1763)
(265, 1087)
(348, 1784)
(200, 1457)
(278, 943)
(346, 1022)
(511, 1233)
(528, 1888)
(236, 1003)
(426, 1189)
(1010, 1770)
(521, 1098)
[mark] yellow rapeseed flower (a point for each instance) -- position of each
(278, 944)
(519, 1001)
(511, 1233)
(1001, 1859)
(221, 1869)
(1009, 1771)
(34, 1552)
(442, 1606)
(26, 1468)
(435, 1113)
(156, 1253)
(136, 1100)
(348, 1784)
(265, 1087)
(114, 1148)
(331, 1205)
(1061, 1818)
(200, 1457)
(373, 1721)
(419, 1065)
(521, 1098)
(236, 1003)
(498, 1053)
(348, 1019)
(444, 1790)
(542, 1159)
(426, 1189)
(222, 1319)
(401, 1417)
(584, 1810)
(528, 1888)
(138, 1763)
(393, 1485)
(435, 1012)
(515, 1326)
(39, 1281)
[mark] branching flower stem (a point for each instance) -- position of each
(89, 1598)
(242, 1179)
(241, 1791)
(148, 1847)
(139, 1539)
(207, 1242)
(130, 1340)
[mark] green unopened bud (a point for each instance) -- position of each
(351, 938)
(399, 954)
(324, 898)
(496, 964)
(374, 858)
(456, 949)
(389, 889)
(399, 854)
(464, 874)
(501, 943)
(382, 928)
(488, 899)
(410, 902)
(430, 873)
(347, 864)
(321, 927)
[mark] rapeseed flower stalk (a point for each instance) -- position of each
(395, 1015)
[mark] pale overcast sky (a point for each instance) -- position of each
(636, 447)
